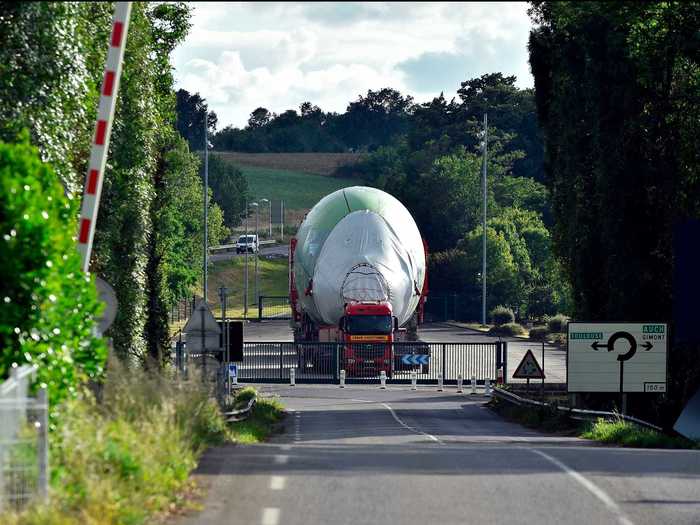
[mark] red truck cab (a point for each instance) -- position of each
(367, 330)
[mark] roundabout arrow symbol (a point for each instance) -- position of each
(610, 345)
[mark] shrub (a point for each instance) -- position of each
(557, 324)
(507, 329)
(47, 305)
(502, 315)
(539, 333)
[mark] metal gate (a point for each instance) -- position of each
(322, 362)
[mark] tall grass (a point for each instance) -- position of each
(626, 434)
(127, 457)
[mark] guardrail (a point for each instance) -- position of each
(574, 413)
(242, 413)
(227, 247)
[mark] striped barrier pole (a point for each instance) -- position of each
(103, 130)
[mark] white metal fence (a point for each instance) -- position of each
(24, 450)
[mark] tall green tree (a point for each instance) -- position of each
(617, 90)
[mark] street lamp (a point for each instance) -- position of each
(245, 269)
(270, 206)
(484, 146)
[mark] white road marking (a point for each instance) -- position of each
(590, 486)
(277, 482)
(281, 459)
(286, 448)
(270, 516)
(408, 427)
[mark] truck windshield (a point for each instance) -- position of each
(244, 239)
(369, 324)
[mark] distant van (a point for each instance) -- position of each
(248, 243)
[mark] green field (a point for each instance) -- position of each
(273, 279)
(297, 190)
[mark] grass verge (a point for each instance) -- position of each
(126, 458)
(264, 420)
(628, 434)
(619, 432)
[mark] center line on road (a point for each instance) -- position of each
(270, 516)
(277, 482)
(588, 485)
(281, 459)
(408, 427)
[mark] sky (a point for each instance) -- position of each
(243, 55)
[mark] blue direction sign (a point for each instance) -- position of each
(409, 359)
(232, 370)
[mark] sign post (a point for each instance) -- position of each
(617, 357)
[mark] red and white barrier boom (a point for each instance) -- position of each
(103, 130)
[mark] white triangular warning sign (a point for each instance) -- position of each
(529, 368)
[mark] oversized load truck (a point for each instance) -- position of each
(357, 274)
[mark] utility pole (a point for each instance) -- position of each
(257, 249)
(483, 255)
(245, 271)
(281, 219)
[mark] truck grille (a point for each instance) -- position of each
(372, 351)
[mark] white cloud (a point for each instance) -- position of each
(243, 55)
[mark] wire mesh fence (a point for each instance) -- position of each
(24, 458)
(274, 307)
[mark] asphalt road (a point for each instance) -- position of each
(362, 455)
(554, 358)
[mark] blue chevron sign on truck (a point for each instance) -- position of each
(409, 359)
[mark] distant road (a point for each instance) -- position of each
(362, 455)
(276, 249)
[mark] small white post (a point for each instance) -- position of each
(439, 389)
(473, 385)
(459, 384)
(414, 380)
(342, 379)
(292, 377)
(382, 379)
(487, 387)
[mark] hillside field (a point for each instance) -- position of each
(298, 190)
(313, 163)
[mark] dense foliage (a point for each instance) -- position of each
(147, 244)
(229, 189)
(369, 122)
(435, 170)
(618, 88)
(47, 305)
